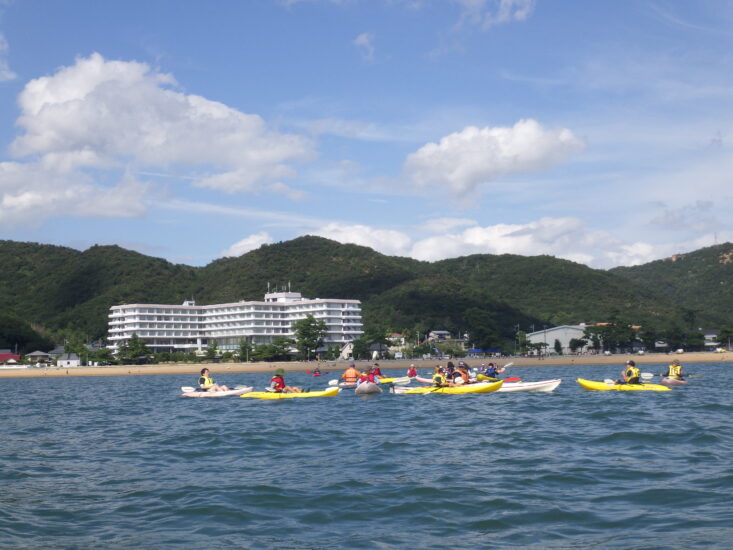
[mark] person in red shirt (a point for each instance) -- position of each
(277, 383)
(412, 371)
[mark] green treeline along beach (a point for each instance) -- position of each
(50, 288)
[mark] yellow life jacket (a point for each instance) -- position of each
(206, 381)
(675, 371)
(632, 372)
(439, 379)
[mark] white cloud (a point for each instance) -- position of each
(252, 242)
(96, 118)
(365, 43)
(488, 13)
(5, 72)
(463, 160)
(387, 241)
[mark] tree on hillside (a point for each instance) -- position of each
(211, 350)
(277, 350)
(576, 344)
(361, 349)
(309, 335)
(558, 347)
(132, 351)
(695, 340)
(17, 334)
(675, 337)
(483, 332)
(725, 338)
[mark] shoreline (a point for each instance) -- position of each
(334, 366)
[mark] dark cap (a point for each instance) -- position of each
(631, 363)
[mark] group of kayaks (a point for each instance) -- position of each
(482, 384)
(395, 385)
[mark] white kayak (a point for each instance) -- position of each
(188, 391)
(541, 386)
(367, 387)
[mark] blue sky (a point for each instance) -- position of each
(594, 131)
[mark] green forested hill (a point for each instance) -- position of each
(60, 287)
(559, 291)
(700, 282)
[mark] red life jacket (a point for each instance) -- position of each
(378, 372)
(279, 383)
(411, 372)
(367, 378)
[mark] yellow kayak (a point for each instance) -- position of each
(602, 386)
(330, 392)
(468, 388)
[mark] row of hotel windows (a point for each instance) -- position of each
(290, 307)
(332, 336)
(138, 317)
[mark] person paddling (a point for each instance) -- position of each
(368, 376)
(277, 384)
(674, 371)
(631, 375)
(461, 376)
(377, 371)
(412, 371)
(206, 383)
(351, 375)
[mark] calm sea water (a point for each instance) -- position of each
(125, 462)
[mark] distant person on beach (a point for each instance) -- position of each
(206, 383)
(277, 384)
(674, 371)
(631, 375)
(351, 375)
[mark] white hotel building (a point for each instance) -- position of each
(189, 327)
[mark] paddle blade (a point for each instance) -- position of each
(187, 389)
(333, 382)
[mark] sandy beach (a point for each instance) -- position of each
(336, 366)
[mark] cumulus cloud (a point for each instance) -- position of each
(5, 72)
(102, 116)
(252, 242)
(365, 43)
(464, 160)
(568, 238)
(387, 241)
(488, 13)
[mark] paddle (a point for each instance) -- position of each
(647, 375)
(333, 382)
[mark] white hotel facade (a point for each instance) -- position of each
(189, 327)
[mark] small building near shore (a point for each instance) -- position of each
(68, 360)
(563, 333)
(9, 358)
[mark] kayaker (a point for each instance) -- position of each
(491, 371)
(439, 379)
(412, 371)
(351, 375)
(631, 375)
(368, 376)
(462, 374)
(206, 383)
(377, 371)
(674, 371)
(277, 383)
(450, 371)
